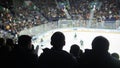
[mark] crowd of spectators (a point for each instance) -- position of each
(11, 23)
(104, 9)
(23, 54)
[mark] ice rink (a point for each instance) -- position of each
(74, 35)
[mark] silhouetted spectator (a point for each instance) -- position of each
(99, 55)
(56, 57)
(4, 53)
(76, 52)
(10, 43)
(23, 55)
(4, 50)
(115, 55)
(2, 42)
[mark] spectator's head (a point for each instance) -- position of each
(58, 40)
(2, 42)
(25, 41)
(115, 55)
(9, 42)
(75, 50)
(100, 44)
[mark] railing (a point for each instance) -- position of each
(71, 24)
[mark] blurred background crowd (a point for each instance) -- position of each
(17, 15)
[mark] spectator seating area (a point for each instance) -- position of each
(31, 13)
